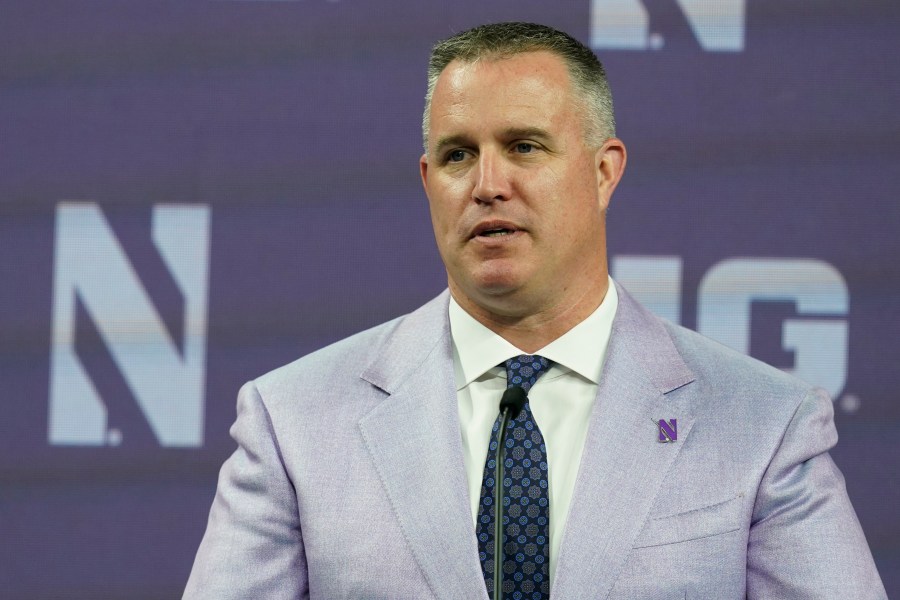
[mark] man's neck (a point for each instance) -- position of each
(535, 329)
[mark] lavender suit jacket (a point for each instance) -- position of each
(348, 480)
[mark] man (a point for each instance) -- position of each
(365, 469)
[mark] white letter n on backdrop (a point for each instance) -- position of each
(168, 386)
(718, 25)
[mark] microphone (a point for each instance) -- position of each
(513, 399)
(511, 404)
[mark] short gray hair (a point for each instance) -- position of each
(502, 40)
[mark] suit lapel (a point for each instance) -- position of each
(414, 439)
(623, 466)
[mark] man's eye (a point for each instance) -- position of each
(524, 147)
(456, 156)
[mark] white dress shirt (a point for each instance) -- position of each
(560, 401)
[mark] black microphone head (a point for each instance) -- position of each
(514, 399)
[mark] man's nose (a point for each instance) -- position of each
(492, 181)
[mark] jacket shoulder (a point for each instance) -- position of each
(731, 374)
(332, 365)
(354, 368)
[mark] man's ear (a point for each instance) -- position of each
(610, 163)
(423, 170)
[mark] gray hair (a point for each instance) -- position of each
(503, 40)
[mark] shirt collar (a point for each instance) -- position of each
(477, 349)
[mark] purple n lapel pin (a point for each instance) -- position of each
(668, 430)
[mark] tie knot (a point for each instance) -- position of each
(524, 370)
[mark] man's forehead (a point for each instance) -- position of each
(507, 83)
(520, 91)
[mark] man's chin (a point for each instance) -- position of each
(499, 295)
(497, 285)
(492, 281)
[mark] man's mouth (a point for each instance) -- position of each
(495, 229)
(495, 232)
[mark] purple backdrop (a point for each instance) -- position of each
(194, 193)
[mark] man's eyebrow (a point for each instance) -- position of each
(526, 132)
(510, 133)
(450, 140)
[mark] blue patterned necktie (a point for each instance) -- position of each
(526, 525)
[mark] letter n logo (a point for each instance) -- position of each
(93, 278)
(718, 25)
(668, 430)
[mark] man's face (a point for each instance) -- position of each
(517, 196)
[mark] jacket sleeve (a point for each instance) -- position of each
(253, 546)
(805, 540)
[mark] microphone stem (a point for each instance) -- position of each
(499, 475)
